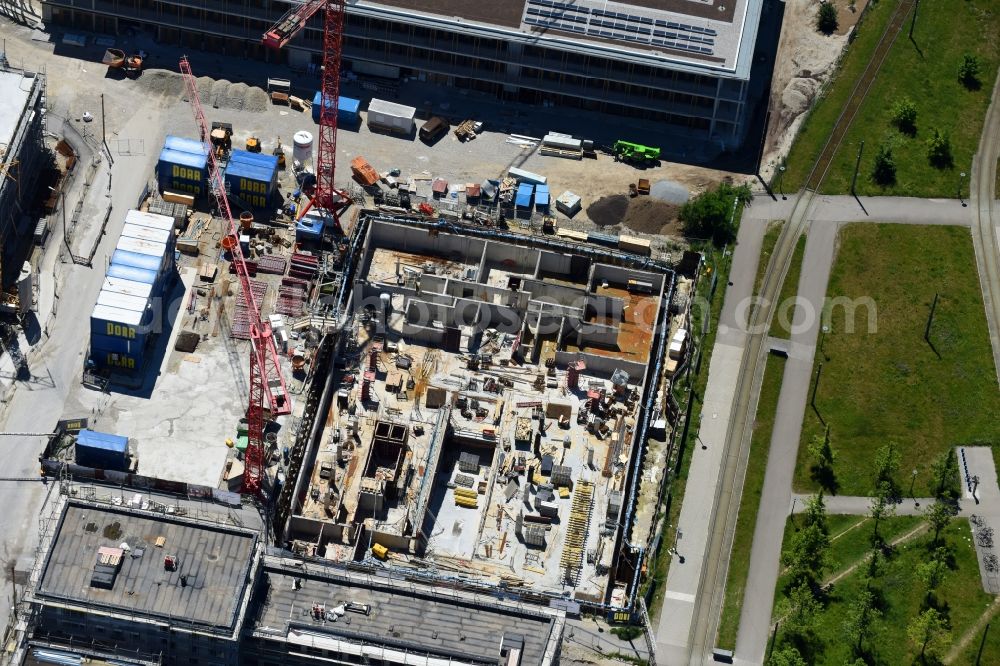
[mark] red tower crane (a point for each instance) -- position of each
(266, 381)
(326, 196)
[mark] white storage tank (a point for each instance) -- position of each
(302, 147)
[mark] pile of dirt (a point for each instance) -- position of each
(669, 191)
(608, 211)
(647, 215)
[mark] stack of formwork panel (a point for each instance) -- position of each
(240, 326)
(304, 266)
(576, 531)
(272, 265)
(292, 296)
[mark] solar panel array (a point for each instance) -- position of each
(621, 26)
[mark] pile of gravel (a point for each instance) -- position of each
(235, 94)
(218, 94)
(162, 82)
(256, 100)
(205, 89)
(669, 191)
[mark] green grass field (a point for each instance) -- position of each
(785, 313)
(888, 383)
(901, 594)
(766, 249)
(753, 485)
(926, 71)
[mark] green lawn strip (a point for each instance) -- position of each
(784, 314)
(816, 128)
(656, 576)
(927, 73)
(766, 249)
(888, 384)
(753, 486)
(900, 596)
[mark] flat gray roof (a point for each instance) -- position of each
(14, 92)
(705, 33)
(212, 574)
(409, 617)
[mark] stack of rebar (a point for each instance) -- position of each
(292, 296)
(576, 531)
(272, 265)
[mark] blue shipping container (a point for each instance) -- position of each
(126, 272)
(524, 192)
(347, 109)
(184, 172)
(116, 360)
(185, 145)
(542, 197)
(119, 323)
(256, 159)
(306, 231)
(136, 260)
(108, 343)
(101, 450)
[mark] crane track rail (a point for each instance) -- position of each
(729, 487)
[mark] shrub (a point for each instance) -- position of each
(939, 149)
(904, 116)
(968, 71)
(826, 19)
(884, 168)
(629, 632)
(710, 214)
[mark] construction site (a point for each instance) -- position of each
(493, 396)
(332, 408)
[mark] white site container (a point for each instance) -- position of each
(390, 116)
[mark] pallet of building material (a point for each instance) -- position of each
(251, 268)
(465, 480)
(465, 492)
(272, 265)
(466, 502)
(550, 151)
(187, 341)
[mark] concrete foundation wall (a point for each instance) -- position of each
(551, 262)
(617, 275)
(412, 239)
(602, 366)
(513, 258)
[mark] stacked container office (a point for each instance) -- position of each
(183, 166)
(130, 303)
(252, 177)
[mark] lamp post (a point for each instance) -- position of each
(913, 479)
(961, 182)
(781, 178)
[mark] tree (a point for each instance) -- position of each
(861, 617)
(939, 149)
(904, 115)
(932, 572)
(799, 608)
(968, 71)
(826, 19)
(815, 513)
(884, 167)
(945, 481)
(787, 655)
(939, 514)
(929, 632)
(711, 215)
(887, 460)
(807, 557)
(882, 506)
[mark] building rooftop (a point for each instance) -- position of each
(15, 89)
(701, 32)
(311, 608)
(205, 586)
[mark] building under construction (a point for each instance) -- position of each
(21, 157)
(492, 395)
(145, 579)
(684, 64)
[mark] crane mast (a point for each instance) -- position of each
(326, 197)
(267, 385)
